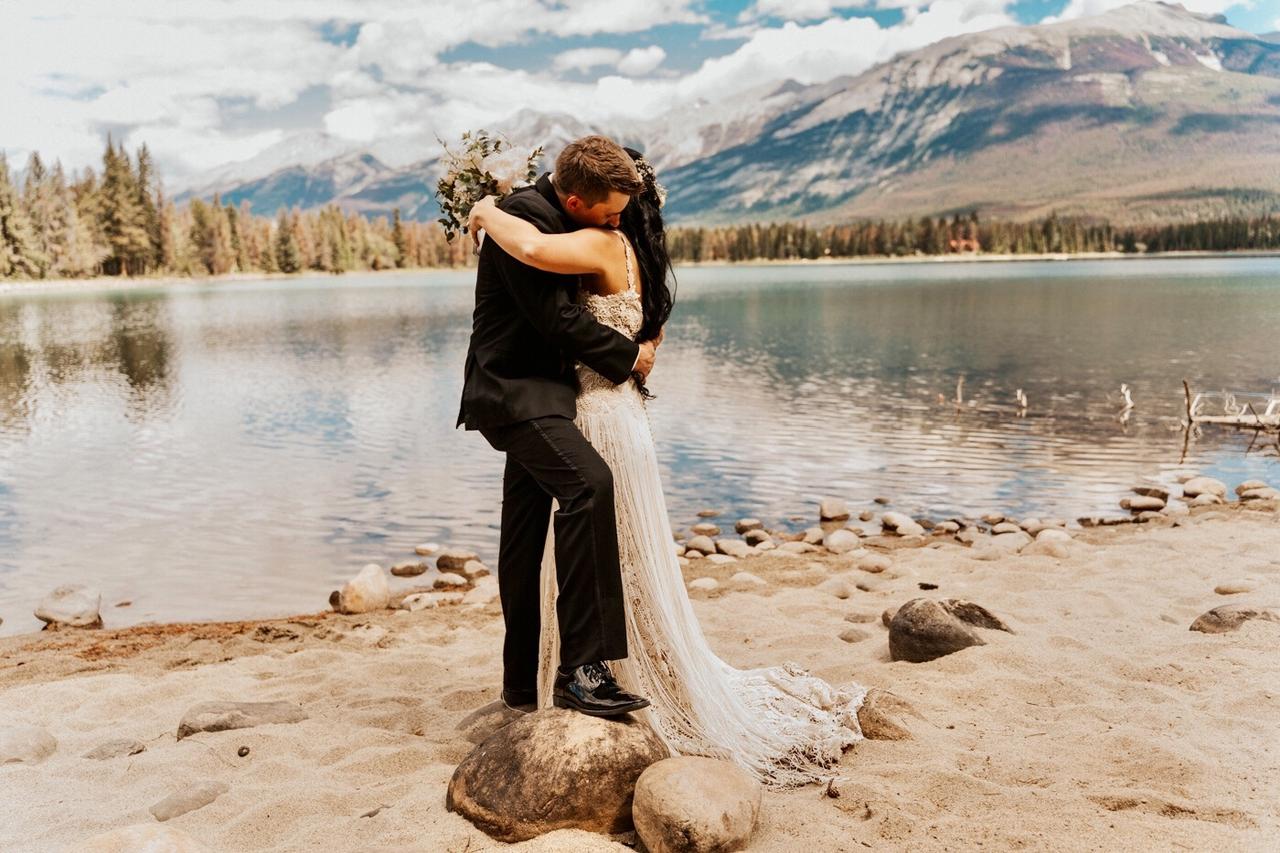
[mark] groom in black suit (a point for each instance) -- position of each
(520, 390)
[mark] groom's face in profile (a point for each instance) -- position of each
(606, 213)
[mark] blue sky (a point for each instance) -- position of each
(207, 82)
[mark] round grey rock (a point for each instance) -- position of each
(71, 605)
(224, 716)
(691, 804)
(734, 548)
(409, 568)
(1229, 617)
(702, 544)
(454, 559)
(841, 541)
(1197, 486)
(923, 629)
(116, 749)
(833, 509)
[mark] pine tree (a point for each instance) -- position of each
(149, 211)
(19, 254)
(122, 217)
(40, 203)
(288, 257)
(398, 238)
(167, 247)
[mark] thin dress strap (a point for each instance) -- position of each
(626, 250)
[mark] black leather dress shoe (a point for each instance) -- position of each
(590, 688)
(518, 699)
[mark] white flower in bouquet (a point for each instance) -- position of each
(486, 165)
(508, 167)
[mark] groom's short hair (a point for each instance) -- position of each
(593, 166)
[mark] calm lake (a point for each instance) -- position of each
(238, 449)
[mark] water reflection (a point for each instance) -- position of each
(237, 449)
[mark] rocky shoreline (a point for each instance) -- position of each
(1032, 682)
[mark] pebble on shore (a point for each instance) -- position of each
(833, 509)
(367, 591)
(71, 606)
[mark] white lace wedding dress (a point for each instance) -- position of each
(783, 725)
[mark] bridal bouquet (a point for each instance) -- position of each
(486, 165)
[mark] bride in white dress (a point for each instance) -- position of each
(783, 725)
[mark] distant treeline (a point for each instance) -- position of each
(121, 223)
(965, 234)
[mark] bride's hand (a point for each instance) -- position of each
(475, 219)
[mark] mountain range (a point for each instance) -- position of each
(1144, 113)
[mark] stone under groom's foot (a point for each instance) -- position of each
(590, 688)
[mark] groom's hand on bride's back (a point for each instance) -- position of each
(648, 353)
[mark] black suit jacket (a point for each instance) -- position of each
(528, 330)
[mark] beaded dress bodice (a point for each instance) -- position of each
(623, 312)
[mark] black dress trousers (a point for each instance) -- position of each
(548, 457)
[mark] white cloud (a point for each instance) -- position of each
(1083, 8)
(799, 10)
(586, 58)
(164, 71)
(641, 60)
(463, 96)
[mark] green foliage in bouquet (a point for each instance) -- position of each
(486, 165)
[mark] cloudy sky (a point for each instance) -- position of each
(206, 82)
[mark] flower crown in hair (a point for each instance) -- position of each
(651, 180)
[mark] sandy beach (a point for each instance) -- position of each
(1101, 723)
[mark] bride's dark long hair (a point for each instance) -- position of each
(642, 223)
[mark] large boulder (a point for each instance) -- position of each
(924, 628)
(554, 769)
(142, 838)
(487, 719)
(367, 591)
(224, 716)
(72, 606)
(1229, 617)
(692, 804)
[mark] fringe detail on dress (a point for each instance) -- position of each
(783, 725)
